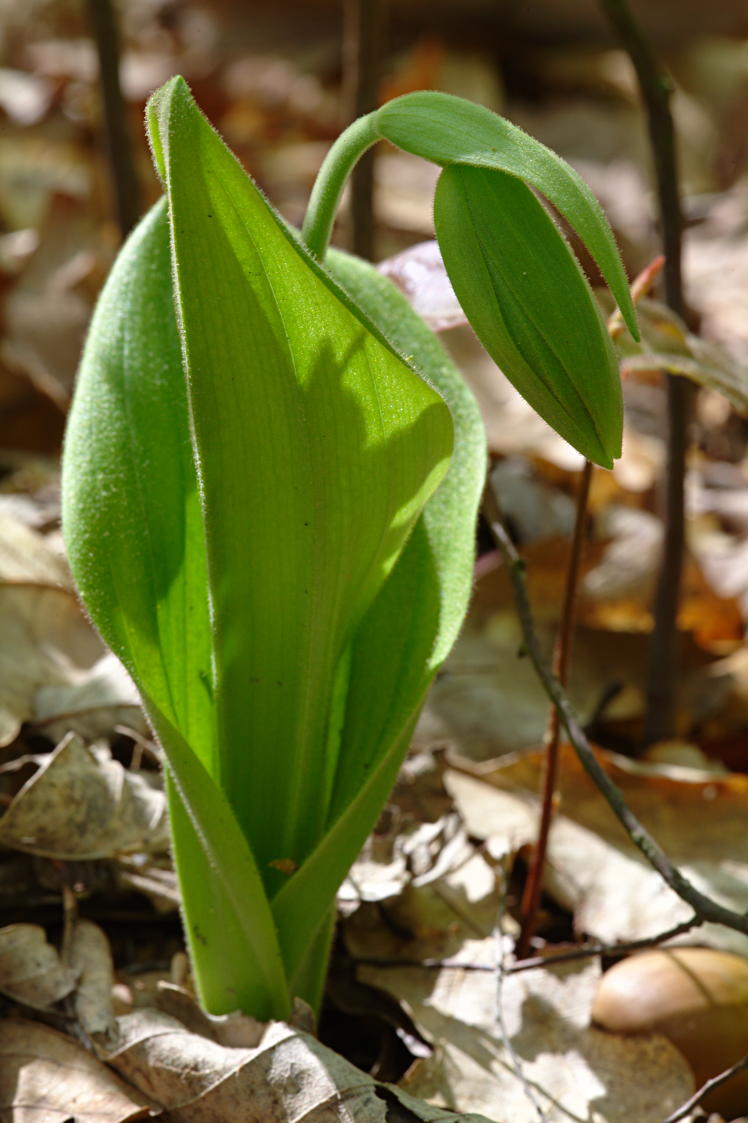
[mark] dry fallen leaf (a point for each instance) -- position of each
(46, 1077)
(528, 1046)
(593, 868)
(288, 1076)
(90, 956)
(54, 669)
(83, 805)
(26, 556)
(518, 1046)
(31, 971)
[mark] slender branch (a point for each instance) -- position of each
(362, 38)
(655, 88)
(561, 657)
(105, 33)
(703, 906)
(710, 1085)
(587, 951)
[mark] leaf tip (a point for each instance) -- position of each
(160, 105)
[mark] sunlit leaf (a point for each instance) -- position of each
(530, 305)
(450, 130)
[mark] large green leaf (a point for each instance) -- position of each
(410, 627)
(450, 130)
(131, 514)
(316, 447)
(530, 305)
(254, 548)
(134, 536)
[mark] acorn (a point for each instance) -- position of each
(698, 999)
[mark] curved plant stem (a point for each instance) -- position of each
(704, 907)
(655, 89)
(561, 656)
(328, 187)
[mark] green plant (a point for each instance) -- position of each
(270, 512)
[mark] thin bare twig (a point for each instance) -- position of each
(716, 1082)
(655, 89)
(703, 906)
(362, 37)
(587, 951)
(501, 976)
(561, 657)
(105, 33)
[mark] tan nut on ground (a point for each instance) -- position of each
(696, 997)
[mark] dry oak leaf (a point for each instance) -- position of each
(288, 1078)
(78, 806)
(593, 868)
(30, 968)
(524, 1043)
(521, 1046)
(46, 1077)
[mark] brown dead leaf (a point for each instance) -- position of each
(90, 957)
(48, 309)
(31, 971)
(46, 1077)
(85, 805)
(26, 556)
(54, 669)
(593, 868)
(526, 1044)
(417, 838)
(289, 1075)
(53, 665)
(521, 1042)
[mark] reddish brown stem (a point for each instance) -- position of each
(561, 654)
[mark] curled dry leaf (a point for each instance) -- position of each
(90, 704)
(90, 957)
(81, 806)
(593, 868)
(46, 1077)
(289, 1075)
(668, 345)
(31, 971)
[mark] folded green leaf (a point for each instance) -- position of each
(410, 627)
(449, 130)
(530, 305)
